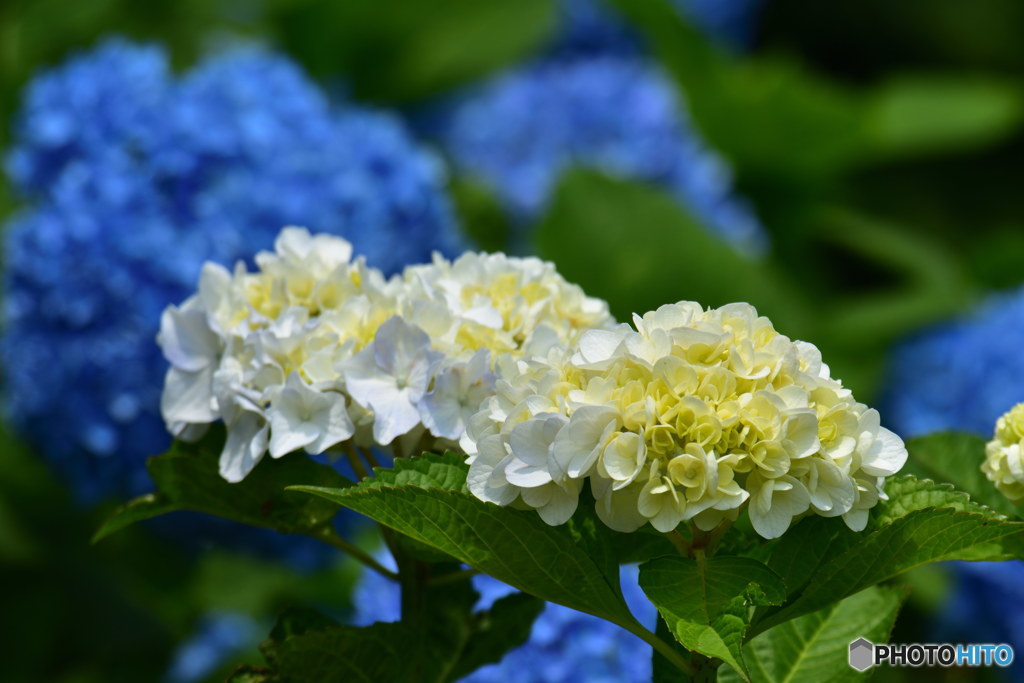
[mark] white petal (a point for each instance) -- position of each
(334, 423)
(490, 460)
(578, 446)
(802, 433)
(618, 509)
(188, 396)
(442, 415)
(530, 444)
(245, 446)
(886, 456)
(397, 345)
(287, 436)
(185, 336)
(599, 345)
(624, 457)
(394, 417)
(561, 507)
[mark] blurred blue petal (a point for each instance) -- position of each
(564, 645)
(621, 115)
(218, 637)
(131, 179)
(962, 375)
(595, 27)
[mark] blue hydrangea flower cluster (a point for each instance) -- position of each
(565, 646)
(985, 605)
(594, 26)
(620, 115)
(961, 375)
(132, 177)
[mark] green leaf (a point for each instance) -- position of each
(439, 615)
(440, 638)
(773, 117)
(770, 116)
(930, 284)
(807, 545)
(940, 113)
(815, 647)
(425, 498)
(251, 674)
(187, 478)
(140, 509)
(906, 532)
(504, 627)
(413, 49)
(307, 646)
(597, 226)
(662, 670)
(706, 601)
(956, 458)
(484, 218)
(909, 494)
(646, 543)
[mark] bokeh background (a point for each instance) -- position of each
(854, 169)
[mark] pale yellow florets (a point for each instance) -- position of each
(500, 303)
(312, 349)
(686, 417)
(1003, 463)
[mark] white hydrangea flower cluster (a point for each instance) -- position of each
(314, 349)
(1004, 464)
(689, 416)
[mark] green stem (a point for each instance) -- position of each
(666, 650)
(700, 540)
(355, 551)
(453, 576)
(353, 459)
(367, 454)
(706, 669)
(681, 544)
(716, 535)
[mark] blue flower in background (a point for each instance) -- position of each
(595, 26)
(519, 131)
(565, 646)
(963, 375)
(219, 636)
(132, 178)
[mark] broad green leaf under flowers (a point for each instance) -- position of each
(706, 601)
(426, 498)
(187, 478)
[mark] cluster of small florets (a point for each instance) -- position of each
(130, 177)
(690, 416)
(1003, 464)
(313, 349)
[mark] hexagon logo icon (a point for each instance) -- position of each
(862, 654)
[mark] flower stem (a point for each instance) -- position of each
(367, 454)
(453, 576)
(332, 539)
(353, 459)
(681, 544)
(665, 649)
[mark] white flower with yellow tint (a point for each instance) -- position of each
(687, 415)
(391, 376)
(313, 349)
(1004, 461)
